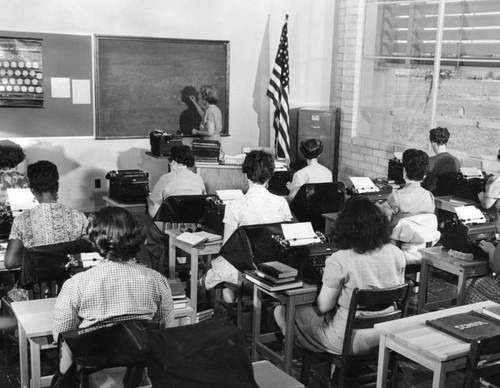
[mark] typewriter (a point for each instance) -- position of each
(465, 235)
(377, 191)
(308, 258)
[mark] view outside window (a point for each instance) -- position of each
(397, 86)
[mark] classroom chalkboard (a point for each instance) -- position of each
(139, 82)
(63, 56)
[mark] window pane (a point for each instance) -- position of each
(395, 102)
(468, 105)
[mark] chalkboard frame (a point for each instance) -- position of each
(103, 128)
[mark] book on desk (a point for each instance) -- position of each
(468, 326)
(199, 238)
(269, 285)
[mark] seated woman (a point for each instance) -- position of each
(117, 289)
(480, 289)
(313, 172)
(412, 199)
(11, 155)
(257, 206)
(490, 198)
(47, 223)
(179, 181)
(365, 259)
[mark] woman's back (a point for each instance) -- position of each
(48, 223)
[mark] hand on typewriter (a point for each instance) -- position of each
(487, 247)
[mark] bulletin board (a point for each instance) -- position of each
(67, 58)
(139, 82)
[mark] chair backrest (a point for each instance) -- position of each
(373, 300)
(314, 199)
(48, 262)
(182, 208)
(251, 245)
(483, 359)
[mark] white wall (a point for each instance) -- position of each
(253, 29)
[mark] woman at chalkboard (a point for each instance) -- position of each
(211, 125)
(189, 118)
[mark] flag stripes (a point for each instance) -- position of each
(278, 92)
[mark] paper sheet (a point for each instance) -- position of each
(21, 200)
(227, 196)
(470, 214)
(60, 87)
(471, 172)
(363, 184)
(300, 233)
(81, 91)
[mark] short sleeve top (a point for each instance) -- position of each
(179, 182)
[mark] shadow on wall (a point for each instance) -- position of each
(261, 103)
(95, 194)
(57, 155)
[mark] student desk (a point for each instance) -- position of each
(438, 258)
(195, 252)
(449, 203)
(34, 319)
(429, 347)
(291, 298)
(134, 208)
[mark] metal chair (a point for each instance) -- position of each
(353, 370)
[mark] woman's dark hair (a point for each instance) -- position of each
(258, 166)
(182, 155)
(311, 148)
(115, 234)
(209, 94)
(11, 154)
(361, 226)
(439, 135)
(43, 177)
(416, 164)
(188, 91)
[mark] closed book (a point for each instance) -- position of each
(492, 311)
(181, 303)
(176, 288)
(278, 269)
(274, 279)
(468, 327)
(192, 239)
(270, 286)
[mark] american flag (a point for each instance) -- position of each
(278, 92)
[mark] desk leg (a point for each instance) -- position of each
(383, 363)
(35, 364)
(194, 279)
(23, 357)
(438, 381)
(289, 330)
(422, 292)
(171, 257)
(256, 318)
(461, 288)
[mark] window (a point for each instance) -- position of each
(399, 100)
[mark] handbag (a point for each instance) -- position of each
(117, 344)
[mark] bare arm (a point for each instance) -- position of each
(493, 255)
(327, 298)
(14, 254)
(199, 109)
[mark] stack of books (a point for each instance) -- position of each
(274, 276)
(178, 293)
(206, 151)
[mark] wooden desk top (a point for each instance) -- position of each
(413, 333)
(35, 316)
(437, 253)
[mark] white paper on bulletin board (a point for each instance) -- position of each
(60, 87)
(81, 91)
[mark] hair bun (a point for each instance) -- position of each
(311, 148)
